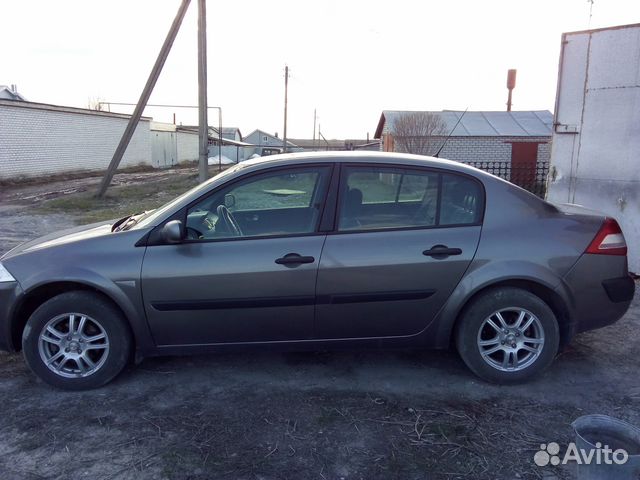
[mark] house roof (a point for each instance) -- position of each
(231, 131)
(531, 123)
(333, 143)
(603, 29)
(213, 135)
(6, 91)
(262, 132)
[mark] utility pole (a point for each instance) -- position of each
(203, 123)
(314, 127)
(286, 88)
(144, 98)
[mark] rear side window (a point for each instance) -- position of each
(386, 197)
(375, 198)
(461, 201)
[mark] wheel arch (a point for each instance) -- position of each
(547, 294)
(36, 296)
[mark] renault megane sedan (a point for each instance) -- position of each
(309, 251)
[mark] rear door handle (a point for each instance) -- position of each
(442, 251)
(294, 259)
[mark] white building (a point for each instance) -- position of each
(595, 157)
(171, 144)
(38, 139)
(10, 93)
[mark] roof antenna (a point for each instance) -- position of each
(454, 127)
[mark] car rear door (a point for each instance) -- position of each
(258, 286)
(404, 238)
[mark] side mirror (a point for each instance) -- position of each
(172, 232)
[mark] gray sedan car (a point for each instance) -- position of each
(313, 251)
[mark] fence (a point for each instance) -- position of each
(532, 177)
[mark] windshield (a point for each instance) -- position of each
(153, 215)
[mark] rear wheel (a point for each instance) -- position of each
(507, 335)
(76, 341)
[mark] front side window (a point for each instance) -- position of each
(386, 197)
(282, 202)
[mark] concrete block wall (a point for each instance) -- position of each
(188, 147)
(38, 139)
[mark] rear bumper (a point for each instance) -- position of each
(9, 294)
(620, 289)
(601, 291)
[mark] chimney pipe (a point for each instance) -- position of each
(511, 84)
(14, 88)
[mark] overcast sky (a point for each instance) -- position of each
(348, 59)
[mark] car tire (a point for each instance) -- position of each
(76, 341)
(507, 335)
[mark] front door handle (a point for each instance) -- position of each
(442, 251)
(294, 259)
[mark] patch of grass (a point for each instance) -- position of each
(120, 200)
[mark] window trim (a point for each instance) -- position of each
(182, 213)
(330, 209)
(341, 190)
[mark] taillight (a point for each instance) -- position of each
(609, 240)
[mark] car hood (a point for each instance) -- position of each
(61, 237)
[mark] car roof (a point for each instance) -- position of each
(400, 159)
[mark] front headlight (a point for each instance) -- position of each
(5, 276)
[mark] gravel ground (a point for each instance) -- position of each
(324, 415)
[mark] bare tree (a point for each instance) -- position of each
(418, 132)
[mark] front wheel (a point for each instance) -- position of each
(507, 335)
(76, 341)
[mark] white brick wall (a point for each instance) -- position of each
(490, 149)
(36, 140)
(188, 147)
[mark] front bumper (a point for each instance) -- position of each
(9, 294)
(601, 291)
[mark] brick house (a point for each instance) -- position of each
(512, 141)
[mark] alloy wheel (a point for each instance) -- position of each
(73, 345)
(511, 339)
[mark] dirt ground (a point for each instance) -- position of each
(265, 415)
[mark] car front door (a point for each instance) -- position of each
(247, 270)
(403, 240)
